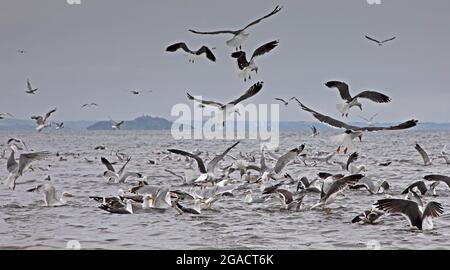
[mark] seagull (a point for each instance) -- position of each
(118, 177)
(246, 66)
(368, 217)
(135, 92)
(89, 105)
(59, 125)
(422, 220)
(12, 143)
(339, 124)
(3, 115)
(287, 158)
(207, 173)
(16, 169)
(239, 36)
(350, 101)
(424, 155)
(373, 188)
(225, 110)
(118, 207)
(380, 43)
(182, 209)
(315, 132)
(30, 90)
(305, 184)
(335, 188)
(418, 186)
(351, 168)
(50, 195)
(286, 103)
(21, 51)
(42, 121)
(287, 200)
(369, 120)
(445, 155)
(117, 125)
(436, 179)
(345, 140)
(193, 55)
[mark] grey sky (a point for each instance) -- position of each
(99, 50)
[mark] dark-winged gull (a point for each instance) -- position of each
(426, 158)
(379, 42)
(30, 89)
(239, 36)
(335, 188)
(368, 217)
(353, 101)
(190, 53)
(436, 179)
(41, 122)
(247, 66)
(118, 177)
(410, 209)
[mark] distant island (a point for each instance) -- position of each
(140, 123)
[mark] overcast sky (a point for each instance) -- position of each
(99, 50)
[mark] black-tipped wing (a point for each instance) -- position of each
(288, 157)
(208, 52)
(374, 96)
(420, 185)
(177, 46)
(406, 125)
(407, 208)
(205, 102)
(212, 164)
(372, 39)
(438, 178)
(253, 90)
(326, 119)
(265, 48)
(352, 158)
(48, 114)
(275, 11)
(342, 87)
(215, 32)
(282, 100)
(200, 164)
(108, 165)
(124, 166)
(433, 209)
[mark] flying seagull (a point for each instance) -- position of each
(239, 36)
(424, 155)
(16, 169)
(207, 173)
(59, 125)
(350, 101)
(315, 132)
(224, 110)
(89, 105)
(116, 125)
(380, 43)
(286, 103)
(42, 121)
(246, 66)
(421, 219)
(369, 121)
(339, 124)
(30, 89)
(193, 55)
(118, 177)
(445, 155)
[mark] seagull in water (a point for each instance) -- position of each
(417, 217)
(224, 110)
(118, 177)
(436, 179)
(207, 173)
(380, 43)
(30, 90)
(51, 199)
(192, 55)
(350, 101)
(42, 121)
(17, 169)
(246, 66)
(239, 36)
(445, 155)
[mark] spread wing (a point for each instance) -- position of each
(48, 114)
(405, 125)
(374, 96)
(208, 52)
(439, 178)
(407, 208)
(253, 90)
(424, 154)
(108, 165)
(177, 46)
(387, 40)
(326, 119)
(200, 164)
(215, 32)
(11, 164)
(352, 158)
(342, 87)
(241, 59)
(265, 48)
(288, 157)
(205, 102)
(124, 166)
(212, 164)
(275, 11)
(372, 39)
(433, 209)
(26, 159)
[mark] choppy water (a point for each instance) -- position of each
(25, 224)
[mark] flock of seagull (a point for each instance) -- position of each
(260, 178)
